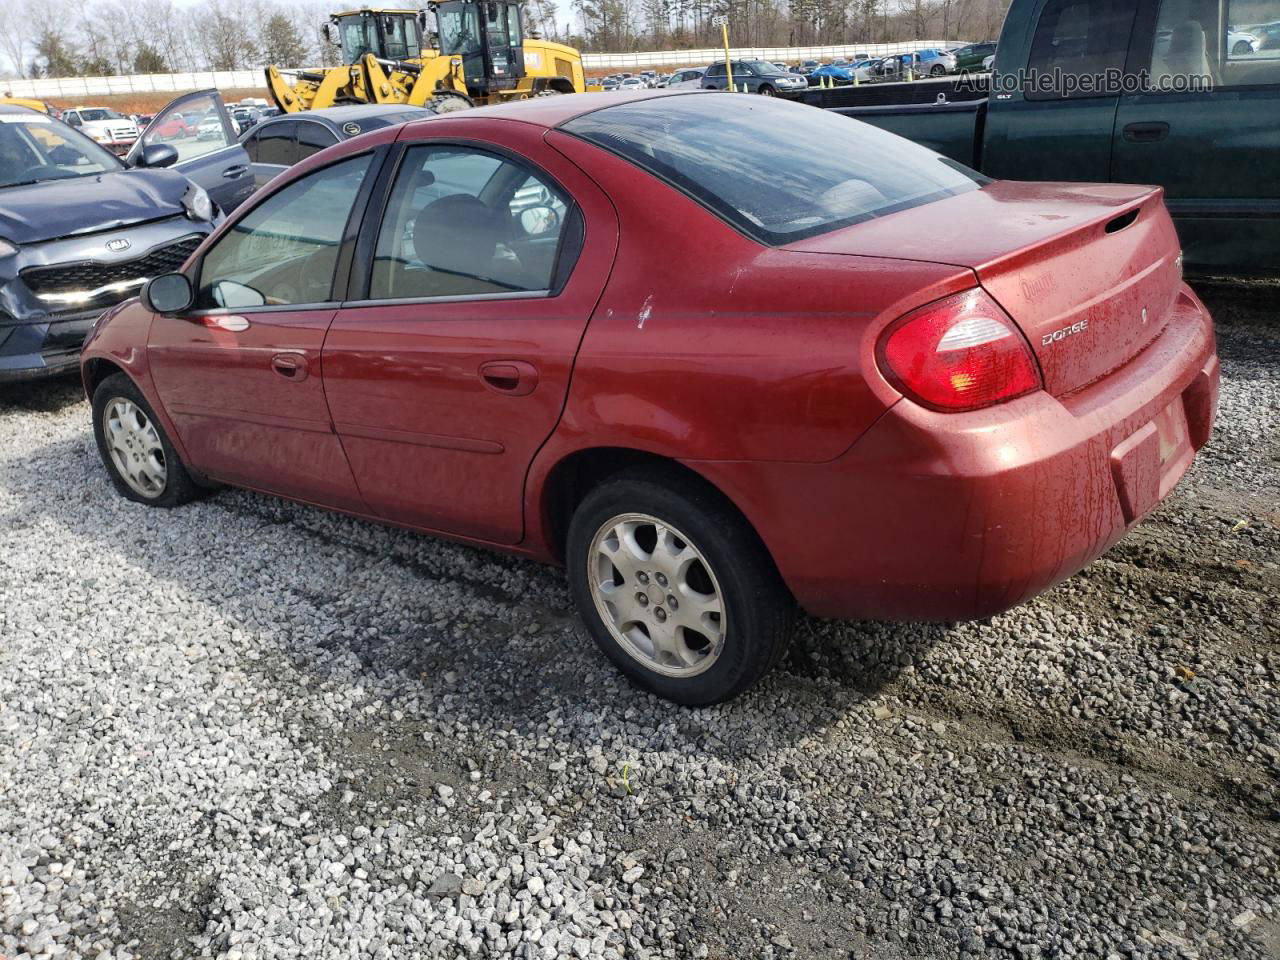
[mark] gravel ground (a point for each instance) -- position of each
(250, 729)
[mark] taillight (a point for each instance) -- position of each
(961, 353)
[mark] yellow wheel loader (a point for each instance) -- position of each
(477, 54)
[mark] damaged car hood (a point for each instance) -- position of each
(61, 208)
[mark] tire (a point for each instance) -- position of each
(716, 563)
(1242, 48)
(139, 446)
(766, 91)
(450, 102)
(937, 71)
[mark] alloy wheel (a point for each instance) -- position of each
(657, 595)
(135, 447)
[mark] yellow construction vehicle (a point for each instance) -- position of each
(478, 53)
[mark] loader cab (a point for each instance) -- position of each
(488, 36)
(387, 34)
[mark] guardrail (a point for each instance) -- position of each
(80, 88)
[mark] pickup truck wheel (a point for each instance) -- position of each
(676, 588)
(766, 90)
(142, 463)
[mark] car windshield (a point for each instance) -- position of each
(742, 163)
(763, 68)
(98, 113)
(37, 148)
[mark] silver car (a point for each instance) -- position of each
(688, 78)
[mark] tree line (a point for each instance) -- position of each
(618, 26)
(65, 38)
(61, 38)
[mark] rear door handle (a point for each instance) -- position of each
(516, 378)
(232, 172)
(1146, 132)
(291, 366)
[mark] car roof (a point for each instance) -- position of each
(553, 111)
(17, 108)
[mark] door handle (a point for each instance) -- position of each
(232, 172)
(291, 366)
(515, 378)
(1146, 132)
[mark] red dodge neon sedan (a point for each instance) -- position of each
(712, 374)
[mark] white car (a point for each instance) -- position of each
(688, 78)
(864, 70)
(632, 83)
(211, 128)
(105, 126)
(1241, 44)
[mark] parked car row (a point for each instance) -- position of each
(762, 76)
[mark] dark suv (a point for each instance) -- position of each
(82, 230)
(758, 76)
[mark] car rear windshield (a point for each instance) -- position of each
(777, 171)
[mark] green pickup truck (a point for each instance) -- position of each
(1181, 93)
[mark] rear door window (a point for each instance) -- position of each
(273, 143)
(1079, 49)
(1201, 45)
(744, 167)
(313, 137)
(463, 222)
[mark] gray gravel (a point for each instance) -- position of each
(250, 729)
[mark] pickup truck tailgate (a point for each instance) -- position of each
(1090, 273)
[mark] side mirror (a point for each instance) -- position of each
(538, 221)
(155, 155)
(168, 293)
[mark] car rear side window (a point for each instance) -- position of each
(273, 143)
(744, 164)
(313, 137)
(1079, 50)
(464, 222)
(1209, 46)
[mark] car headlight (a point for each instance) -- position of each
(197, 203)
(7, 249)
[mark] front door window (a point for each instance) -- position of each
(284, 251)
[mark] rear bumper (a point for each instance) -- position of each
(951, 517)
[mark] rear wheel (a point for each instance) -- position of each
(139, 458)
(676, 588)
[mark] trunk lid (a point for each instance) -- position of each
(1089, 272)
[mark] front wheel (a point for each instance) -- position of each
(676, 588)
(767, 91)
(1242, 48)
(938, 71)
(142, 463)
